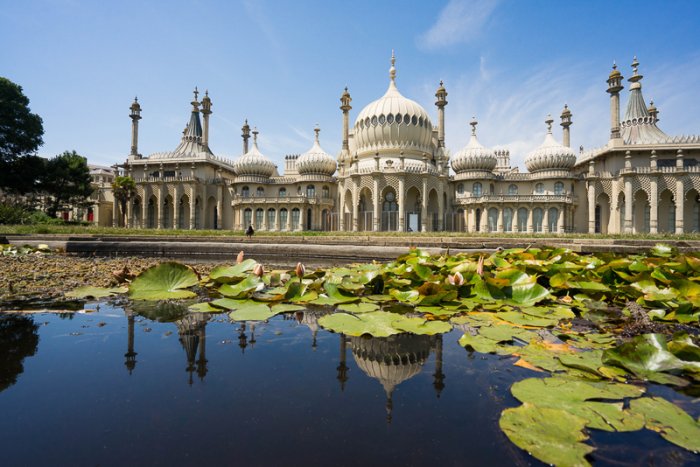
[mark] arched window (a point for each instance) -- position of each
(270, 219)
(259, 213)
(522, 220)
(476, 189)
(559, 188)
(283, 192)
(508, 219)
(295, 219)
(552, 219)
(539, 189)
(245, 191)
(493, 219)
(283, 219)
(460, 189)
(512, 189)
(310, 191)
(260, 191)
(492, 189)
(326, 192)
(537, 215)
(247, 217)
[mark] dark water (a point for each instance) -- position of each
(115, 388)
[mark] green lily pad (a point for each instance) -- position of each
(204, 307)
(163, 282)
(374, 323)
(228, 274)
(484, 345)
(551, 435)
(95, 292)
(230, 303)
(523, 319)
(286, 308)
(422, 326)
(670, 421)
(409, 296)
(252, 311)
(242, 289)
(358, 307)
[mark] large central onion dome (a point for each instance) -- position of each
(550, 155)
(474, 156)
(393, 122)
(316, 161)
(254, 162)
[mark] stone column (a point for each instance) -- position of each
(176, 206)
(653, 205)
(424, 206)
(441, 209)
(530, 226)
(591, 207)
(680, 200)
(341, 208)
(402, 205)
(560, 222)
(145, 199)
(159, 205)
(628, 206)
(375, 204)
(499, 224)
(484, 219)
(129, 213)
(220, 207)
(193, 206)
(115, 213)
(545, 220)
(355, 209)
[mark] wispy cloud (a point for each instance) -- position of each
(461, 21)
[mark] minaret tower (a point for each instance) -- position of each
(135, 116)
(614, 88)
(342, 366)
(441, 102)
(565, 124)
(206, 111)
(130, 355)
(246, 135)
(345, 106)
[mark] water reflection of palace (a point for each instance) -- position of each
(390, 360)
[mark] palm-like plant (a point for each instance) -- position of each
(124, 188)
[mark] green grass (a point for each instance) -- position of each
(42, 229)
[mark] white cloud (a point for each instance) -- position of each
(459, 22)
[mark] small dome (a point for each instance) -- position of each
(254, 162)
(474, 156)
(393, 122)
(551, 155)
(316, 161)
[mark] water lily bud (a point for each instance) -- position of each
(239, 258)
(480, 266)
(258, 270)
(456, 279)
(300, 270)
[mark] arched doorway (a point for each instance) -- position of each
(433, 210)
(691, 211)
(183, 214)
(168, 212)
(309, 219)
(641, 212)
(365, 210)
(390, 211)
(412, 214)
(151, 213)
(553, 220)
(666, 217)
(602, 214)
(522, 220)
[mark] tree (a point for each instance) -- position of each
(123, 188)
(67, 181)
(22, 175)
(20, 130)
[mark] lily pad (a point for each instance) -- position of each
(286, 308)
(227, 274)
(95, 292)
(163, 282)
(358, 307)
(244, 288)
(422, 326)
(670, 421)
(552, 435)
(252, 311)
(375, 323)
(204, 307)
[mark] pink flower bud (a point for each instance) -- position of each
(258, 270)
(300, 270)
(239, 258)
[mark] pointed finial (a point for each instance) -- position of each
(635, 64)
(614, 65)
(317, 130)
(255, 136)
(474, 123)
(549, 122)
(196, 93)
(136, 98)
(392, 70)
(441, 83)
(206, 93)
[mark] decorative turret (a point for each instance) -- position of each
(135, 116)
(192, 144)
(316, 161)
(253, 162)
(550, 155)
(614, 88)
(441, 102)
(474, 156)
(639, 125)
(653, 111)
(206, 111)
(345, 106)
(565, 124)
(246, 135)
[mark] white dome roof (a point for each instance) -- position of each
(316, 161)
(474, 156)
(393, 122)
(551, 155)
(253, 162)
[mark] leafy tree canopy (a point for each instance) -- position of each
(67, 180)
(20, 130)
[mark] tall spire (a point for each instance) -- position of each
(255, 137)
(317, 130)
(246, 135)
(392, 70)
(135, 116)
(639, 124)
(549, 122)
(474, 123)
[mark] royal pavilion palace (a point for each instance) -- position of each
(394, 172)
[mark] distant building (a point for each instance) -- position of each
(393, 174)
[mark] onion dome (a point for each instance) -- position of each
(254, 162)
(316, 161)
(474, 156)
(393, 122)
(551, 155)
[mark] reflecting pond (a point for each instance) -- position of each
(112, 387)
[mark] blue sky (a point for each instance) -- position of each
(283, 65)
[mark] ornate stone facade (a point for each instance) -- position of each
(393, 174)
